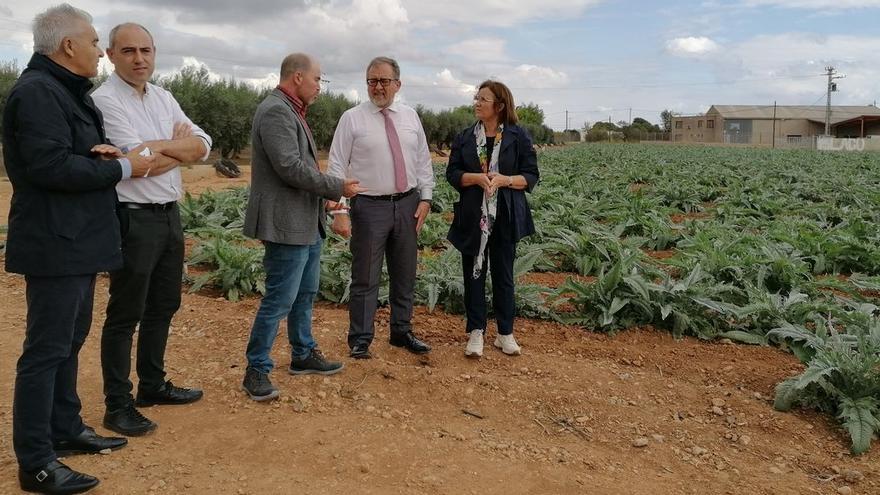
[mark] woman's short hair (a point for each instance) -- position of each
(502, 94)
(56, 23)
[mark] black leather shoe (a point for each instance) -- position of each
(87, 442)
(55, 478)
(128, 421)
(360, 351)
(409, 342)
(169, 394)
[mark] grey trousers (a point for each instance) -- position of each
(382, 229)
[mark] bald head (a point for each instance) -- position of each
(301, 76)
(293, 63)
(114, 33)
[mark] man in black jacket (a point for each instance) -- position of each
(62, 231)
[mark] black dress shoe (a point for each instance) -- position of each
(87, 442)
(360, 351)
(409, 342)
(128, 421)
(169, 394)
(55, 478)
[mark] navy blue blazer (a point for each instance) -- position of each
(62, 219)
(517, 157)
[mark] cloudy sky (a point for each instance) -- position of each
(598, 59)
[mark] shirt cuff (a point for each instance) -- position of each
(207, 147)
(426, 194)
(126, 168)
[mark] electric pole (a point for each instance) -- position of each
(832, 86)
(566, 120)
(774, 124)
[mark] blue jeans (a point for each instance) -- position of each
(292, 277)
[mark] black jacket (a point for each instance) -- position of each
(517, 157)
(62, 220)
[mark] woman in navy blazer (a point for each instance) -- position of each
(492, 164)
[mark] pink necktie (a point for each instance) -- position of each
(400, 181)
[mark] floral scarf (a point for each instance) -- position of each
(490, 203)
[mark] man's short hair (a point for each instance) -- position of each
(54, 24)
(115, 31)
(295, 62)
(395, 67)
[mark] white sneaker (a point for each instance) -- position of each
(508, 345)
(475, 344)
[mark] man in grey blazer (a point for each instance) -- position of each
(286, 211)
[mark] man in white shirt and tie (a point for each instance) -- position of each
(382, 144)
(145, 293)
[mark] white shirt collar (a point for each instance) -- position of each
(123, 86)
(376, 109)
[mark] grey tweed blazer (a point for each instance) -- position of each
(286, 203)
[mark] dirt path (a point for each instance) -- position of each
(562, 418)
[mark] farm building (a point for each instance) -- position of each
(752, 124)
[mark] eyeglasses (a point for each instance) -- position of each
(482, 99)
(384, 82)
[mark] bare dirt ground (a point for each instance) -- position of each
(578, 413)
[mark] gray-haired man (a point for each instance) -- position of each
(381, 143)
(62, 231)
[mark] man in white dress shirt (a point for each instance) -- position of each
(145, 293)
(382, 144)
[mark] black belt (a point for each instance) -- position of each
(389, 197)
(148, 206)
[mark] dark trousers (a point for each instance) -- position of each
(501, 253)
(46, 406)
(382, 229)
(145, 294)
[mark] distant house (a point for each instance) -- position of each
(751, 124)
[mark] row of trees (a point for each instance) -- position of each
(638, 130)
(225, 108)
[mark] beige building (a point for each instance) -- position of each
(756, 125)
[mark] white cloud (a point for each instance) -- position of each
(691, 46)
(442, 89)
(536, 76)
(493, 12)
(445, 79)
(816, 4)
(478, 50)
(792, 65)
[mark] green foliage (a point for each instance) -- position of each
(213, 210)
(234, 264)
(9, 73)
(324, 114)
(433, 232)
(335, 270)
(238, 268)
(530, 113)
(440, 281)
(842, 376)
(442, 127)
(666, 116)
(224, 108)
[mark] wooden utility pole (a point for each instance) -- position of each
(774, 124)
